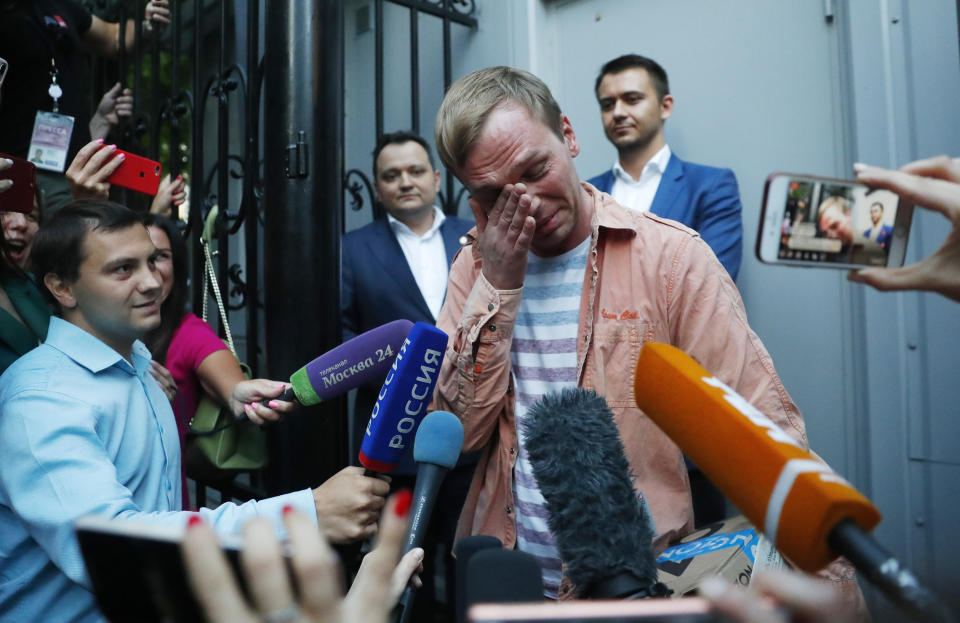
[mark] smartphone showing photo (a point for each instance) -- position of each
(818, 221)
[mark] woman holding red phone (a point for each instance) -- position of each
(24, 312)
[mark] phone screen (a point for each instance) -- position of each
(834, 223)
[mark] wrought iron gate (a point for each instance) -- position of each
(202, 92)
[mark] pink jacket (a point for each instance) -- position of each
(647, 279)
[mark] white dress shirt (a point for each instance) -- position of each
(638, 194)
(426, 257)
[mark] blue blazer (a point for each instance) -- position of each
(377, 287)
(703, 198)
(883, 238)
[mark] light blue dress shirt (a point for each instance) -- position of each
(84, 432)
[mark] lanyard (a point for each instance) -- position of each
(55, 91)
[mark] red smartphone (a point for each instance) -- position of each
(137, 173)
(19, 197)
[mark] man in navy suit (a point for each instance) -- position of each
(635, 102)
(397, 268)
(878, 232)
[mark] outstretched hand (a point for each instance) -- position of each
(314, 567)
(933, 183)
(259, 400)
(777, 597)
(91, 168)
(113, 105)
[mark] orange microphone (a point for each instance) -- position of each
(808, 511)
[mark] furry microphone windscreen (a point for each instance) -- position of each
(601, 530)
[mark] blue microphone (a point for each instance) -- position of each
(403, 399)
(436, 450)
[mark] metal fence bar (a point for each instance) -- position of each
(251, 180)
(378, 66)
(197, 176)
(415, 69)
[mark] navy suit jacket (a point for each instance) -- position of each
(377, 287)
(703, 198)
(883, 238)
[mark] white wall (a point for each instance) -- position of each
(763, 86)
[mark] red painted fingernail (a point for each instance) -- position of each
(287, 509)
(179, 177)
(402, 506)
(195, 520)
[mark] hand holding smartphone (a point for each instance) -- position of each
(819, 221)
(18, 197)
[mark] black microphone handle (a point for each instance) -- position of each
(885, 572)
(289, 395)
(429, 479)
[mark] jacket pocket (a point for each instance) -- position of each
(616, 347)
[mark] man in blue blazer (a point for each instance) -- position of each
(878, 232)
(397, 268)
(635, 102)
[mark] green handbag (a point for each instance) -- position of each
(217, 446)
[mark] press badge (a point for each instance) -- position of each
(50, 141)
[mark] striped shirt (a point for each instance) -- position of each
(544, 358)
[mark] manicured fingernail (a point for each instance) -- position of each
(121, 156)
(246, 407)
(255, 405)
(282, 385)
(195, 520)
(273, 404)
(179, 177)
(113, 146)
(287, 509)
(99, 141)
(402, 507)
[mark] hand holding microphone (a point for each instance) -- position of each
(363, 359)
(809, 512)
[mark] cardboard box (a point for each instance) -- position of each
(731, 549)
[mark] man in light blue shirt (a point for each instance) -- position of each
(84, 427)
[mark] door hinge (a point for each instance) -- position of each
(297, 163)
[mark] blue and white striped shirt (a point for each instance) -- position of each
(544, 358)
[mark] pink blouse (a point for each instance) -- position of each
(192, 342)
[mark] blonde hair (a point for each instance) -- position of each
(470, 100)
(834, 200)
